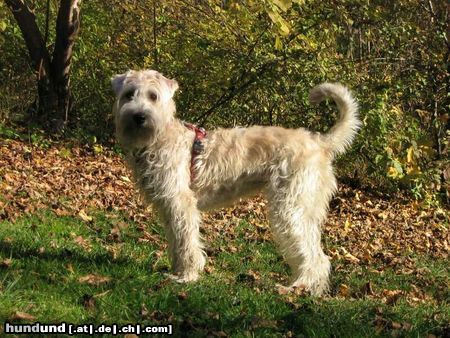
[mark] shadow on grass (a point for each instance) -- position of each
(19, 252)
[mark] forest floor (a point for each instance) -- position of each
(78, 246)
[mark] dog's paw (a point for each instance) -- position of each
(182, 278)
(284, 290)
(316, 288)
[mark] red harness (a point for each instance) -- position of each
(197, 146)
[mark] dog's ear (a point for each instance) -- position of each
(117, 82)
(173, 86)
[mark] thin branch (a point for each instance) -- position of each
(234, 90)
(47, 19)
(429, 8)
(155, 50)
(214, 18)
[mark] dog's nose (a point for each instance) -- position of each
(139, 118)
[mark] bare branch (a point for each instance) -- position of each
(40, 58)
(155, 49)
(47, 19)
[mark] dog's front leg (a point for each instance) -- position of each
(182, 221)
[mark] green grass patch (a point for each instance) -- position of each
(44, 258)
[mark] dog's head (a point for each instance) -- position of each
(144, 106)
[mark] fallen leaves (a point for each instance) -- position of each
(182, 295)
(350, 258)
(84, 216)
(367, 289)
(391, 296)
(82, 242)
(290, 290)
(259, 322)
(94, 279)
(18, 315)
(89, 302)
(5, 263)
(395, 328)
(68, 181)
(344, 290)
(250, 276)
(283, 290)
(69, 268)
(363, 229)
(383, 233)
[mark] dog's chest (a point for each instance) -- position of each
(158, 174)
(146, 168)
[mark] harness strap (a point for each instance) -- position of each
(197, 146)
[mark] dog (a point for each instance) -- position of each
(182, 171)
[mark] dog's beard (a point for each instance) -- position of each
(131, 136)
(135, 138)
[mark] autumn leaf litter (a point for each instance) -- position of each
(363, 230)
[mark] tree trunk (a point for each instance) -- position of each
(52, 106)
(67, 27)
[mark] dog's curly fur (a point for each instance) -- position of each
(292, 166)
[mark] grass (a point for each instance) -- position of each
(44, 258)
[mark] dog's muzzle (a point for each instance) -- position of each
(134, 128)
(139, 119)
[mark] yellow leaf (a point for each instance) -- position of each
(306, 40)
(284, 27)
(410, 155)
(350, 258)
(125, 179)
(277, 19)
(273, 15)
(414, 170)
(84, 216)
(344, 290)
(389, 151)
(393, 173)
(65, 153)
(426, 149)
(347, 225)
(397, 110)
(278, 43)
(284, 5)
(98, 149)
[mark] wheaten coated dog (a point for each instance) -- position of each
(293, 167)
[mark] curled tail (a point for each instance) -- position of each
(342, 133)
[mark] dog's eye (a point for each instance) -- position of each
(152, 96)
(128, 95)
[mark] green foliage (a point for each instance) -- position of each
(242, 63)
(8, 133)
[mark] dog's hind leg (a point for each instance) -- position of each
(298, 206)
